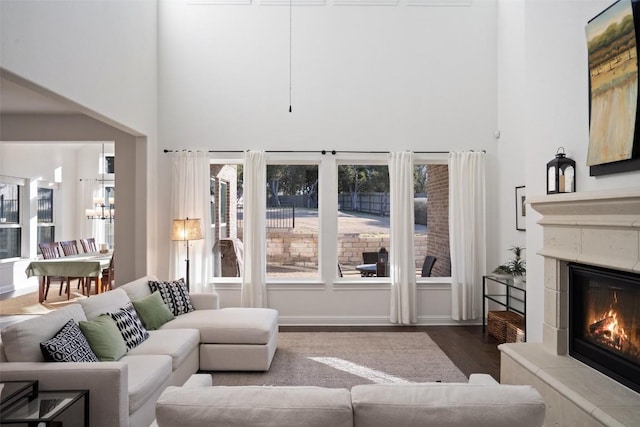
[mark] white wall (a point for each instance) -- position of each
(556, 113)
(102, 56)
(363, 78)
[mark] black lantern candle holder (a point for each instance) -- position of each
(561, 174)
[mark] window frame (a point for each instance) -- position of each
(328, 276)
(22, 194)
(54, 187)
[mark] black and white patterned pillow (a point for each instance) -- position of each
(130, 326)
(175, 295)
(68, 345)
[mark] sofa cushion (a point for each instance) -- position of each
(152, 311)
(130, 326)
(251, 405)
(453, 404)
(145, 375)
(177, 343)
(104, 303)
(230, 325)
(174, 294)
(68, 345)
(21, 340)
(138, 288)
(104, 338)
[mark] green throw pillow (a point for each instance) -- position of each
(104, 337)
(153, 311)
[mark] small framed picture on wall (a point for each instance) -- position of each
(521, 209)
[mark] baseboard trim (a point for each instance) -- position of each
(367, 321)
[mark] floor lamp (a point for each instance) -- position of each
(184, 230)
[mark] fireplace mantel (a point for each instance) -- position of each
(600, 228)
(595, 228)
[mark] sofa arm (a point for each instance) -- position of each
(207, 301)
(198, 380)
(485, 379)
(106, 381)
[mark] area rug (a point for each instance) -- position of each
(28, 303)
(346, 359)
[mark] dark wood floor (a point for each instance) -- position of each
(471, 350)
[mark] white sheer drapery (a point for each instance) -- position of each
(190, 195)
(254, 288)
(401, 254)
(467, 232)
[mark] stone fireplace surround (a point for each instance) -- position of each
(594, 228)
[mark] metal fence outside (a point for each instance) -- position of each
(283, 216)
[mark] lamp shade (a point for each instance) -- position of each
(186, 229)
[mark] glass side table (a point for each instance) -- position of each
(12, 391)
(44, 407)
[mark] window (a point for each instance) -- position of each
(46, 226)
(292, 221)
(431, 216)
(10, 223)
(294, 215)
(363, 220)
(225, 187)
(109, 164)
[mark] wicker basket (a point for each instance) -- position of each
(515, 331)
(497, 323)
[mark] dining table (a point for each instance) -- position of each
(82, 265)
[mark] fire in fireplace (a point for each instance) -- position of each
(604, 321)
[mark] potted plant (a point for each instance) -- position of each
(515, 267)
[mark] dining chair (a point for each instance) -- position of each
(427, 265)
(51, 251)
(89, 245)
(70, 247)
(102, 284)
(369, 257)
(107, 277)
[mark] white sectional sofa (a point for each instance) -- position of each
(480, 403)
(124, 392)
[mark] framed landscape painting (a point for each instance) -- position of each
(612, 42)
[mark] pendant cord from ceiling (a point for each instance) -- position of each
(290, 48)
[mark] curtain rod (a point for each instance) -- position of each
(95, 179)
(316, 151)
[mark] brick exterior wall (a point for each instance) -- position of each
(438, 219)
(227, 173)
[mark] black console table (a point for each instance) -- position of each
(511, 293)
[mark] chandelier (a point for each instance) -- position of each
(104, 207)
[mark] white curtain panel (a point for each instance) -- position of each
(467, 233)
(254, 288)
(401, 255)
(190, 196)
